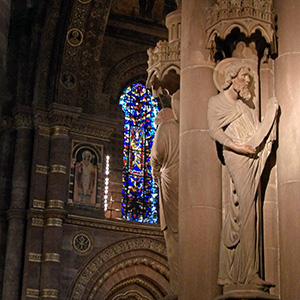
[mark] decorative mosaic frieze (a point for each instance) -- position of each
(49, 293)
(32, 293)
(58, 169)
(53, 257)
(113, 226)
(56, 222)
(37, 222)
(56, 204)
(41, 204)
(41, 169)
(35, 257)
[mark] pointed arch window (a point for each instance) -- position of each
(140, 193)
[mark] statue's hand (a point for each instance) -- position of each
(242, 149)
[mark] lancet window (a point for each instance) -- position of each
(140, 193)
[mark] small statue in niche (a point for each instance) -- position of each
(247, 143)
(165, 167)
(85, 178)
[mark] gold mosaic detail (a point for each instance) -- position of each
(32, 293)
(54, 222)
(35, 257)
(49, 293)
(58, 169)
(41, 169)
(41, 204)
(56, 204)
(54, 257)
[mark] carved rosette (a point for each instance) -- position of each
(249, 16)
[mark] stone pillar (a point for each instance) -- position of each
(6, 168)
(38, 196)
(61, 117)
(4, 28)
(17, 212)
(200, 193)
(287, 74)
(270, 262)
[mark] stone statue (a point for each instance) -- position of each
(246, 142)
(165, 163)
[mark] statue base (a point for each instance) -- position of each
(245, 292)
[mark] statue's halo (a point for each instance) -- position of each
(221, 67)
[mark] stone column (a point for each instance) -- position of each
(4, 28)
(7, 139)
(200, 193)
(37, 203)
(17, 212)
(270, 262)
(287, 74)
(61, 117)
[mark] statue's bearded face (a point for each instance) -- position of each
(241, 84)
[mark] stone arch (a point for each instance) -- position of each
(129, 70)
(118, 267)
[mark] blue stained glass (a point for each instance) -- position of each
(140, 193)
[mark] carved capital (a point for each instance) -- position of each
(63, 115)
(40, 117)
(23, 119)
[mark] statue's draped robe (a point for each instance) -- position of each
(165, 162)
(234, 121)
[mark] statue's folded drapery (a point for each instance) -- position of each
(234, 121)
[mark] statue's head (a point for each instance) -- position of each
(87, 155)
(238, 77)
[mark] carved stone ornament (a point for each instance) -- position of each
(91, 270)
(75, 37)
(82, 243)
(165, 57)
(23, 117)
(131, 295)
(85, 1)
(68, 80)
(149, 286)
(247, 15)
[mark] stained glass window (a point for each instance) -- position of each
(140, 193)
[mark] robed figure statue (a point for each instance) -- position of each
(246, 145)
